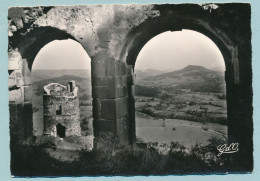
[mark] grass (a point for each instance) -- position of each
(112, 158)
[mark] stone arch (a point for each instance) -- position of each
(141, 34)
(22, 53)
(36, 39)
(26, 48)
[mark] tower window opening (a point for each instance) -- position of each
(58, 110)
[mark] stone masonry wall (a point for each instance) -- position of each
(70, 116)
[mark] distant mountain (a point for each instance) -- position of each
(42, 74)
(193, 77)
(84, 84)
(188, 71)
(143, 73)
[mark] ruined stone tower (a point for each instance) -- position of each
(61, 115)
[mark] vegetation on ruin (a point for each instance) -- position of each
(114, 159)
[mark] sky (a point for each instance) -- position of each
(166, 51)
(62, 54)
(175, 50)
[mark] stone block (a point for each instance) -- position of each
(133, 90)
(133, 79)
(15, 95)
(121, 92)
(16, 124)
(18, 74)
(19, 82)
(13, 65)
(24, 81)
(105, 92)
(25, 68)
(104, 81)
(121, 126)
(108, 109)
(104, 126)
(102, 56)
(96, 108)
(27, 91)
(113, 109)
(112, 81)
(28, 119)
(11, 82)
(103, 68)
(122, 107)
(121, 81)
(122, 131)
(121, 68)
(129, 80)
(129, 70)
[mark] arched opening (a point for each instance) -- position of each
(137, 38)
(61, 61)
(60, 130)
(180, 90)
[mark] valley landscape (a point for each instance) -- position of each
(186, 106)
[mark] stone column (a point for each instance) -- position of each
(131, 105)
(19, 84)
(240, 127)
(110, 98)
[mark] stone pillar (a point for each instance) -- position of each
(131, 105)
(20, 106)
(110, 98)
(240, 127)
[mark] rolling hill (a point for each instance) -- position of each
(84, 84)
(42, 74)
(193, 77)
(189, 71)
(144, 73)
